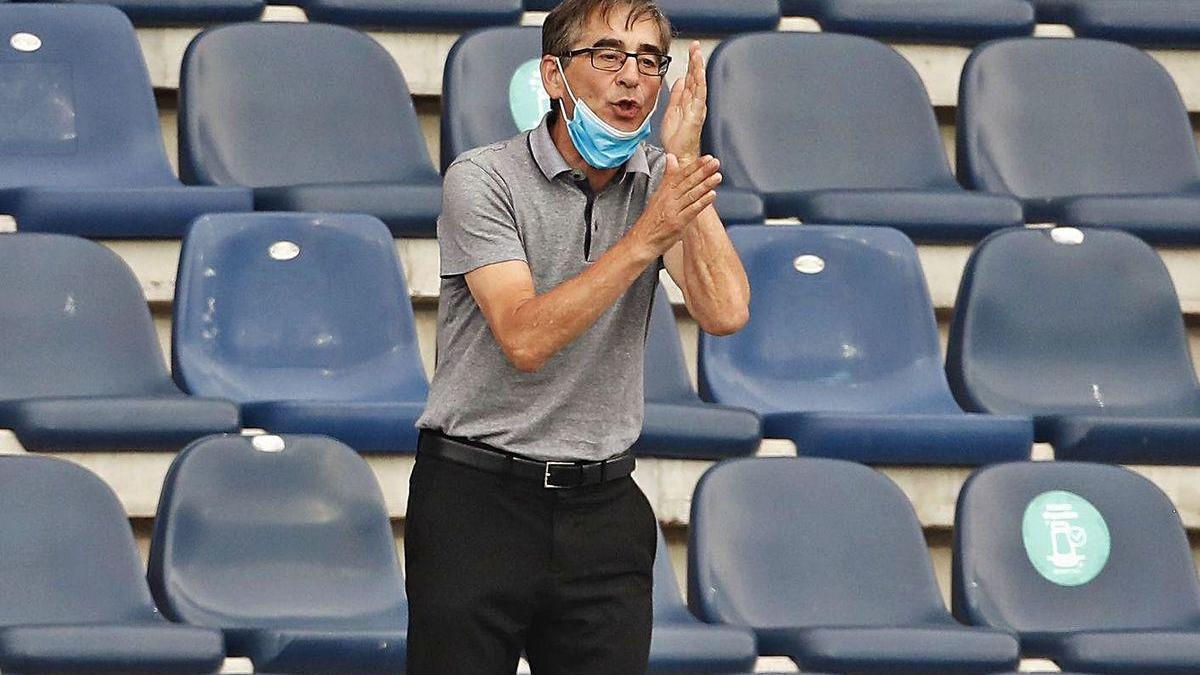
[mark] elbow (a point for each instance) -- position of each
(524, 359)
(728, 323)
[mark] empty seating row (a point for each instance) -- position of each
(1086, 565)
(1115, 148)
(273, 548)
(1164, 22)
(285, 322)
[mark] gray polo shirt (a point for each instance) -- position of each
(518, 200)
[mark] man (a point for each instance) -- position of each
(524, 530)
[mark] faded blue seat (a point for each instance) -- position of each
(415, 14)
(75, 600)
(492, 91)
(922, 20)
(303, 320)
(283, 543)
(80, 363)
(1140, 612)
(1172, 23)
(182, 12)
(706, 17)
(1106, 373)
(681, 643)
(841, 353)
(677, 423)
(826, 562)
(1084, 132)
(313, 117)
(81, 150)
(859, 116)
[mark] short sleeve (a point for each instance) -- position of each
(478, 224)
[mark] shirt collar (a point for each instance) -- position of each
(551, 161)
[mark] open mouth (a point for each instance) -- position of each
(627, 108)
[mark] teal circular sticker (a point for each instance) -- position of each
(527, 99)
(1066, 538)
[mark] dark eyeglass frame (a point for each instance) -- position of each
(592, 51)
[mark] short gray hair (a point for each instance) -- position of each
(565, 23)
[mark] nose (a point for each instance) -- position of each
(629, 76)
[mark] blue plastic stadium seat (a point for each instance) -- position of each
(680, 643)
(182, 12)
(705, 17)
(677, 422)
(283, 543)
(313, 117)
(1172, 23)
(492, 90)
(75, 600)
(1139, 614)
(80, 363)
(305, 321)
(1106, 373)
(1084, 133)
(415, 14)
(857, 114)
(923, 20)
(841, 353)
(81, 151)
(826, 562)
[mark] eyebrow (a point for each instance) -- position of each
(617, 44)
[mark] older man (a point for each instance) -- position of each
(525, 531)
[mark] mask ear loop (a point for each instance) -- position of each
(574, 101)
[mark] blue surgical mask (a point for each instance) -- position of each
(599, 143)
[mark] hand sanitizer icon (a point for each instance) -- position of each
(1066, 539)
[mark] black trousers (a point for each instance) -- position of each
(496, 565)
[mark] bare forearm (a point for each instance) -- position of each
(717, 290)
(544, 324)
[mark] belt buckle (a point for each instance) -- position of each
(546, 480)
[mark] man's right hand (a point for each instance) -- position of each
(685, 192)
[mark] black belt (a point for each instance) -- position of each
(549, 474)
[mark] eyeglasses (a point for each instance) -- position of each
(612, 60)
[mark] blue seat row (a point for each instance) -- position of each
(1115, 149)
(1084, 564)
(274, 548)
(1166, 22)
(1106, 377)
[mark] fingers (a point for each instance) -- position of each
(691, 211)
(676, 93)
(696, 173)
(708, 185)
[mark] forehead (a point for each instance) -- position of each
(600, 26)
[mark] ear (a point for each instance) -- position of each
(552, 81)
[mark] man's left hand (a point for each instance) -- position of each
(686, 111)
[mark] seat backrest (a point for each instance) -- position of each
(840, 320)
(1050, 548)
(75, 322)
(492, 90)
(1069, 321)
(791, 542)
(274, 531)
(76, 106)
(274, 104)
(666, 376)
(69, 554)
(1044, 117)
(794, 112)
(294, 306)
